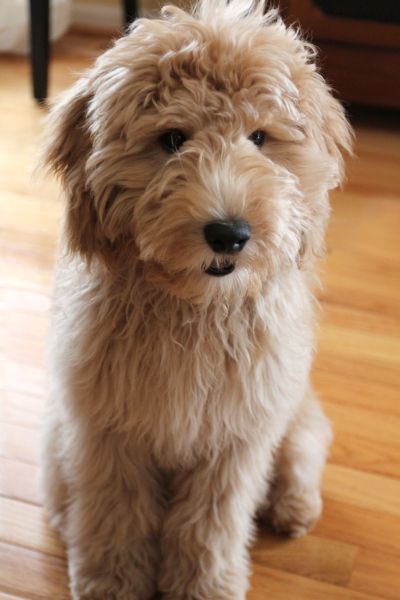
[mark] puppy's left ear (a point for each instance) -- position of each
(331, 136)
(327, 125)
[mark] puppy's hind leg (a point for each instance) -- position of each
(295, 498)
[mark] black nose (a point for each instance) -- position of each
(227, 236)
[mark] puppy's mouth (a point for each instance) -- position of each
(220, 270)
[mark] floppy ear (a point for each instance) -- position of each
(67, 147)
(327, 128)
(337, 134)
(327, 125)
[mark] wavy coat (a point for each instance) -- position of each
(180, 403)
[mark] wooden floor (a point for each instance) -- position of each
(354, 551)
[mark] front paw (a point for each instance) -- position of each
(214, 595)
(230, 587)
(111, 587)
(295, 515)
(110, 594)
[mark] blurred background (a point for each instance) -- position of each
(353, 552)
(359, 40)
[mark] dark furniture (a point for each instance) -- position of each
(359, 43)
(39, 37)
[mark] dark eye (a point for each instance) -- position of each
(172, 140)
(257, 137)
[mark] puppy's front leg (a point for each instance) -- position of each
(295, 503)
(209, 525)
(113, 521)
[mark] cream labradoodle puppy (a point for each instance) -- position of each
(196, 155)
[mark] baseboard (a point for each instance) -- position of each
(97, 17)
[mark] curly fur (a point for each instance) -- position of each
(180, 403)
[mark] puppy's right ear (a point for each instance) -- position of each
(67, 147)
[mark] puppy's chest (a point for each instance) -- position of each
(193, 383)
(191, 363)
(185, 383)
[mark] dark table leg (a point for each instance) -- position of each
(39, 15)
(130, 11)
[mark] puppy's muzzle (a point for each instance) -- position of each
(227, 237)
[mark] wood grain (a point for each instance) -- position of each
(359, 526)
(25, 525)
(19, 480)
(282, 586)
(376, 573)
(32, 575)
(327, 560)
(353, 551)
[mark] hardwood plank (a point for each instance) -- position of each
(19, 480)
(21, 408)
(18, 347)
(345, 390)
(380, 142)
(363, 258)
(32, 252)
(363, 322)
(28, 212)
(377, 573)
(311, 556)
(282, 586)
(363, 347)
(363, 490)
(25, 525)
(32, 575)
(21, 299)
(19, 443)
(368, 371)
(360, 446)
(359, 526)
(23, 379)
(364, 455)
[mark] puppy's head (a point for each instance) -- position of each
(200, 147)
